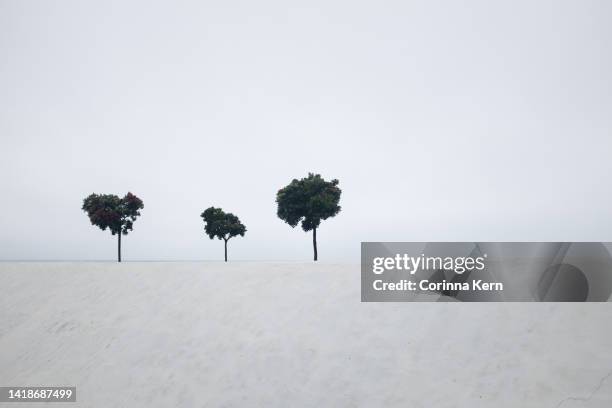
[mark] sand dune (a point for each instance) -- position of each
(287, 334)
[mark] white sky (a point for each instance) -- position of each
(444, 120)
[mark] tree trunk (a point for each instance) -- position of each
(119, 248)
(225, 250)
(314, 242)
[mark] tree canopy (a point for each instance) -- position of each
(310, 200)
(109, 211)
(222, 225)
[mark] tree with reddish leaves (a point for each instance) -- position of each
(116, 214)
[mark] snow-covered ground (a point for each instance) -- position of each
(285, 335)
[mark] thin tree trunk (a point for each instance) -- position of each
(225, 250)
(314, 242)
(119, 248)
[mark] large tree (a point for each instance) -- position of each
(310, 200)
(221, 225)
(116, 214)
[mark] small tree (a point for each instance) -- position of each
(222, 225)
(116, 214)
(309, 200)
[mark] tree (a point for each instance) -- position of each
(116, 214)
(309, 200)
(222, 225)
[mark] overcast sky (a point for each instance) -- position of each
(472, 121)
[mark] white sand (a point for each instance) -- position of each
(287, 334)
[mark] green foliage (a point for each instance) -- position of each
(222, 225)
(109, 211)
(309, 200)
